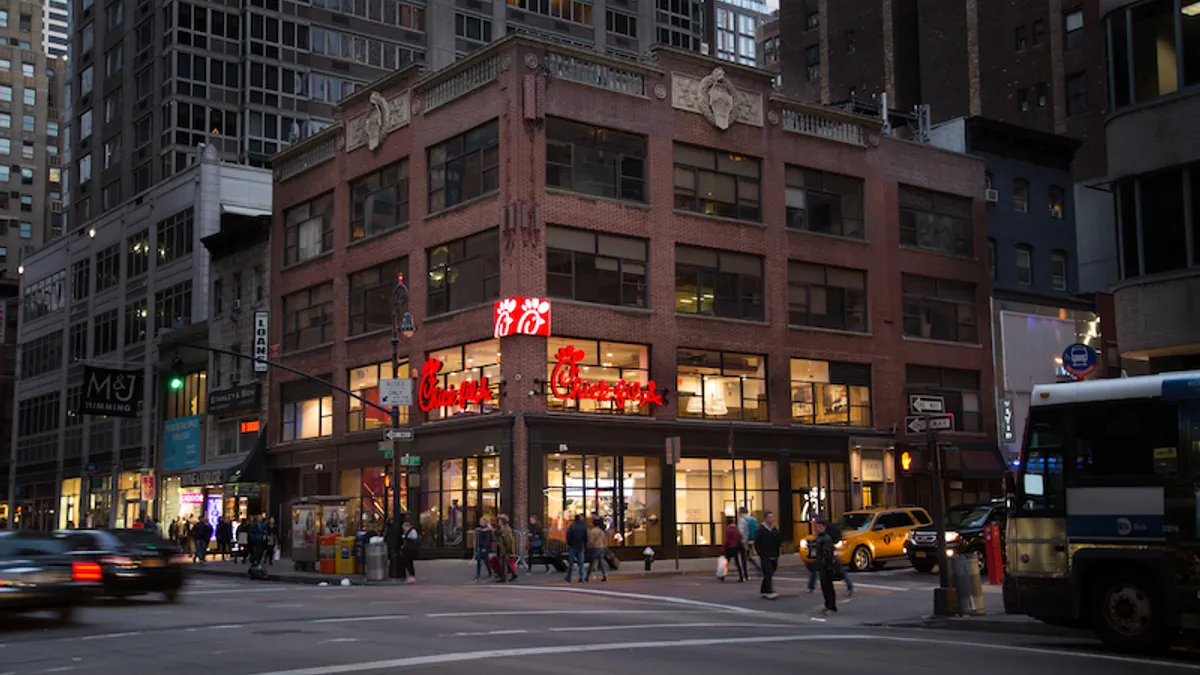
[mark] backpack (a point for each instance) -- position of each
(834, 533)
(751, 526)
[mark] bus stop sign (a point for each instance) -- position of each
(1079, 360)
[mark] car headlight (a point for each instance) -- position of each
(951, 536)
(911, 536)
(804, 544)
(840, 544)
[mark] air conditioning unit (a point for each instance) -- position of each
(991, 195)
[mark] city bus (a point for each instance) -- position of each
(1102, 528)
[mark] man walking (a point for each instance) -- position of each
(835, 535)
(577, 536)
(824, 566)
(747, 527)
(767, 541)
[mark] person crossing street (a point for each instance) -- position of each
(768, 541)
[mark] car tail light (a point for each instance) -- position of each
(180, 559)
(86, 571)
(117, 560)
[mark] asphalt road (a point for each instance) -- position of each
(670, 625)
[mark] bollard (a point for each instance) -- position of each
(648, 554)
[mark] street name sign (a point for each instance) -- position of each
(410, 460)
(918, 424)
(920, 404)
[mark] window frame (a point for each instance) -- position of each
(324, 417)
(485, 151)
(392, 179)
(622, 185)
(299, 215)
(842, 200)
(756, 311)
(710, 207)
(1024, 272)
(1059, 280)
(814, 389)
(457, 257)
(954, 396)
(624, 284)
(938, 205)
(762, 410)
(292, 336)
(922, 302)
(357, 413)
(808, 287)
(359, 323)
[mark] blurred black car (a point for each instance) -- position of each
(37, 574)
(133, 562)
(964, 534)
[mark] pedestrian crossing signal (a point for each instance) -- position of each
(906, 462)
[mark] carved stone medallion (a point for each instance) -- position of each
(382, 117)
(716, 97)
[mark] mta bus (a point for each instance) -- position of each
(1103, 523)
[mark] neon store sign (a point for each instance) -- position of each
(431, 395)
(567, 385)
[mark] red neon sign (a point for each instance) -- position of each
(567, 385)
(521, 316)
(431, 395)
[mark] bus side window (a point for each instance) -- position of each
(1041, 487)
(1119, 441)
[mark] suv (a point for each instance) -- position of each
(964, 534)
(872, 536)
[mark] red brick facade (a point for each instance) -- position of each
(515, 100)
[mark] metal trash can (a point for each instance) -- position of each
(377, 560)
(965, 571)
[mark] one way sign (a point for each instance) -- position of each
(918, 425)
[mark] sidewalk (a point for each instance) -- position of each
(914, 611)
(462, 571)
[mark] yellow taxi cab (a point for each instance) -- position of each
(872, 536)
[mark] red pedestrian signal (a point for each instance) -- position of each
(906, 462)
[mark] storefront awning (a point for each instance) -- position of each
(250, 468)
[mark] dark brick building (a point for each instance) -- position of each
(750, 265)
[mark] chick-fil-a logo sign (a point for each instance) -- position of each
(522, 316)
(567, 385)
(431, 395)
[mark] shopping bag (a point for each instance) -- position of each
(276, 555)
(722, 566)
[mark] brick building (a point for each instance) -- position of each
(534, 170)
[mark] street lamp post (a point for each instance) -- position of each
(402, 324)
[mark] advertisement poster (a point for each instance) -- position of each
(212, 513)
(181, 443)
(304, 531)
(335, 520)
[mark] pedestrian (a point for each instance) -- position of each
(391, 536)
(410, 542)
(485, 541)
(747, 527)
(536, 541)
(835, 534)
(201, 533)
(597, 543)
(732, 548)
(224, 537)
(257, 536)
(767, 542)
(505, 548)
(824, 554)
(577, 539)
(271, 540)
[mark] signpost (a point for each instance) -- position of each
(929, 415)
(920, 404)
(395, 392)
(405, 435)
(919, 423)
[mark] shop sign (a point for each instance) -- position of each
(1006, 420)
(202, 478)
(245, 397)
(567, 385)
(191, 498)
(243, 490)
(148, 491)
(521, 316)
(431, 395)
(115, 393)
(181, 443)
(262, 330)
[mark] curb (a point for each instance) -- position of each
(1031, 627)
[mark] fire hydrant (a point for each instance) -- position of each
(648, 553)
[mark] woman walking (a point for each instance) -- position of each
(597, 543)
(733, 547)
(483, 548)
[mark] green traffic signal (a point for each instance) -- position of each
(175, 383)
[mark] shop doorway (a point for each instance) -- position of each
(624, 492)
(455, 494)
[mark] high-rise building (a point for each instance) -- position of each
(56, 27)
(151, 80)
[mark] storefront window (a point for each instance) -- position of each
(818, 489)
(455, 494)
(709, 491)
(722, 385)
(190, 399)
(456, 388)
(100, 501)
(308, 419)
(131, 497)
(364, 381)
(831, 393)
(349, 486)
(626, 492)
(68, 506)
(612, 364)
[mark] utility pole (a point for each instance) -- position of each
(945, 600)
(402, 324)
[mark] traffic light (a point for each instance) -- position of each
(906, 462)
(175, 376)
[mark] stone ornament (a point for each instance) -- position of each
(660, 91)
(382, 117)
(715, 97)
(416, 106)
(531, 60)
(506, 62)
(773, 117)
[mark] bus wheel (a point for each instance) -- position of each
(1128, 615)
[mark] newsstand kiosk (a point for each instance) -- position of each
(317, 523)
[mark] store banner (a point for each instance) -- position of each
(236, 399)
(181, 443)
(111, 392)
(148, 488)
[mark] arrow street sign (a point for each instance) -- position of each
(395, 392)
(917, 425)
(399, 434)
(919, 404)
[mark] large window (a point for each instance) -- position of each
(104, 337)
(1154, 218)
(939, 309)
(308, 318)
(81, 279)
(1157, 64)
(607, 362)
(364, 381)
(174, 236)
(722, 385)
(718, 283)
(464, 273)
(44, 296)
(959, 388)
(818, 489)
(1058, 271)
(935, 221)
(42, 355)
(464, 167)
(823, 202)
(189, 399)
(463, 363)
(308, 230)
(718, 183)
(311, 418)
(378, 201)
(592, 267)
(371, 293)
(137, 254)
(38, 414)
(173, 306)
(108, 267)
(626, 492)
(371, 496)
(594, 160)
(135, 322)
(569, 10)
(455, 494)
(709, 491)
(826, 392)
(827, 297)
(1024, 259)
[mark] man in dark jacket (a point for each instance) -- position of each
(824, 555)
(767, 542)
(577, 535)
(201, 534)
(257, 535)
(224, 537)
